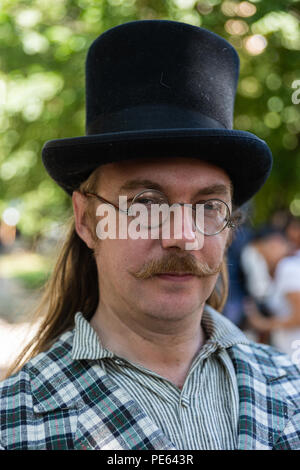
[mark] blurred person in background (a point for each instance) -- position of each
(292, 231)
(281, 298)
(259, 259)
(279, 219)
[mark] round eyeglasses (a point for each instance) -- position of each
(210, 217)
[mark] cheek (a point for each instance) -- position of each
(213, 249)
(116, 258)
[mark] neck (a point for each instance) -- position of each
(165, 347)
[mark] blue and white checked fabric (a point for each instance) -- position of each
(57, 402)
(204, 413)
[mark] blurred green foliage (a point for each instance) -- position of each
(31, 270)
(43, 45)
(32, 280)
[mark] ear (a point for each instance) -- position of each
(81, 220)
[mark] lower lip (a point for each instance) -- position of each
(176, 278)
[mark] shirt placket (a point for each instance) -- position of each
(184, 403)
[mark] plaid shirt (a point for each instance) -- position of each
(57, 402)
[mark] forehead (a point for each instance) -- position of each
(179, 174)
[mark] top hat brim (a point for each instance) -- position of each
(246, 158)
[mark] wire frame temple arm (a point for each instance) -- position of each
(105, 201)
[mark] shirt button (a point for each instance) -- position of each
(185, 402)
(119, 362)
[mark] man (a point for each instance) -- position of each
(151, 363)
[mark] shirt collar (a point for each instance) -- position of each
(220, 331)
(86, 343)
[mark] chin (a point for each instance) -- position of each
(168, 309)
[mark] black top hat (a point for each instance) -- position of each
(161, 88)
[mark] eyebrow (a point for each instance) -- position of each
(220, 189)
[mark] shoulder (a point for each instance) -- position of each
(40, 367)
(267, 354)
(263, 370)
(268, 361)
(19, 392)
(287, 265)
(287, 274)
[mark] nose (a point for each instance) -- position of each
(180, 230)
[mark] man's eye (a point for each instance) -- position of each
(210, 206)
(147, 201)
(144, 200)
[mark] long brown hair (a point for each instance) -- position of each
(66, 292)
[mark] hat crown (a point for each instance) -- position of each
(161, 88)
(159, 74)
